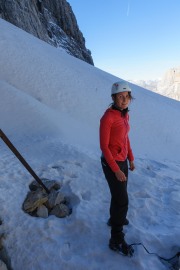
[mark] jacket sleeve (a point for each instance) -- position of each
(105, 129)
(130, 155)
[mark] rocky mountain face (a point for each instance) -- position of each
(52, 21)
(170, 84)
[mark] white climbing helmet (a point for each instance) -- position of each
(121, 86)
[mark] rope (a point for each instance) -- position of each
(152, 253)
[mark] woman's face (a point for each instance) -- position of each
(122, 100)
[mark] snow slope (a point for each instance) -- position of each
(50, 106)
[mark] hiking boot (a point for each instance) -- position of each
(122, 248)
(126, 222)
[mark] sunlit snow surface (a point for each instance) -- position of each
(50, 107)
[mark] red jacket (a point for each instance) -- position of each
(114, 140)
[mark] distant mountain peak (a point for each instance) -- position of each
(168, 86)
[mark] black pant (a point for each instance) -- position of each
(119, 199)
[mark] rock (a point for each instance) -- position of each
(60, 198)
(34, 199)
(39, 204)
(54, 198)
(1, 240)
(51, 199)
(42, 211)
(51, 21)
(50, 184)
(3, 266)
(5, 260)
(60, 210)
(170, 84)
(33, 186)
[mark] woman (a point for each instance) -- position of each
(116, 152)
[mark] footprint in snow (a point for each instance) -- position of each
(58, 167)
(76, 163)
(86, 196)
(71, 175)
(65, 252)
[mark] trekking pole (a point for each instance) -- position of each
(22, 160)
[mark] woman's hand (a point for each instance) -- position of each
(120, 176)
(131, 165)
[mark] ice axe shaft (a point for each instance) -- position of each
(22, 160)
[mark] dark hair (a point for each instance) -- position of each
(129, 93)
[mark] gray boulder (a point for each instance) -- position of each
(50, 184)
(34, 199)
(60, 210)
(40, 204)
(42, 211)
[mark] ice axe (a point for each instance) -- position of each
(22, 160)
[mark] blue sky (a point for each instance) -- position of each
(133, 39)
